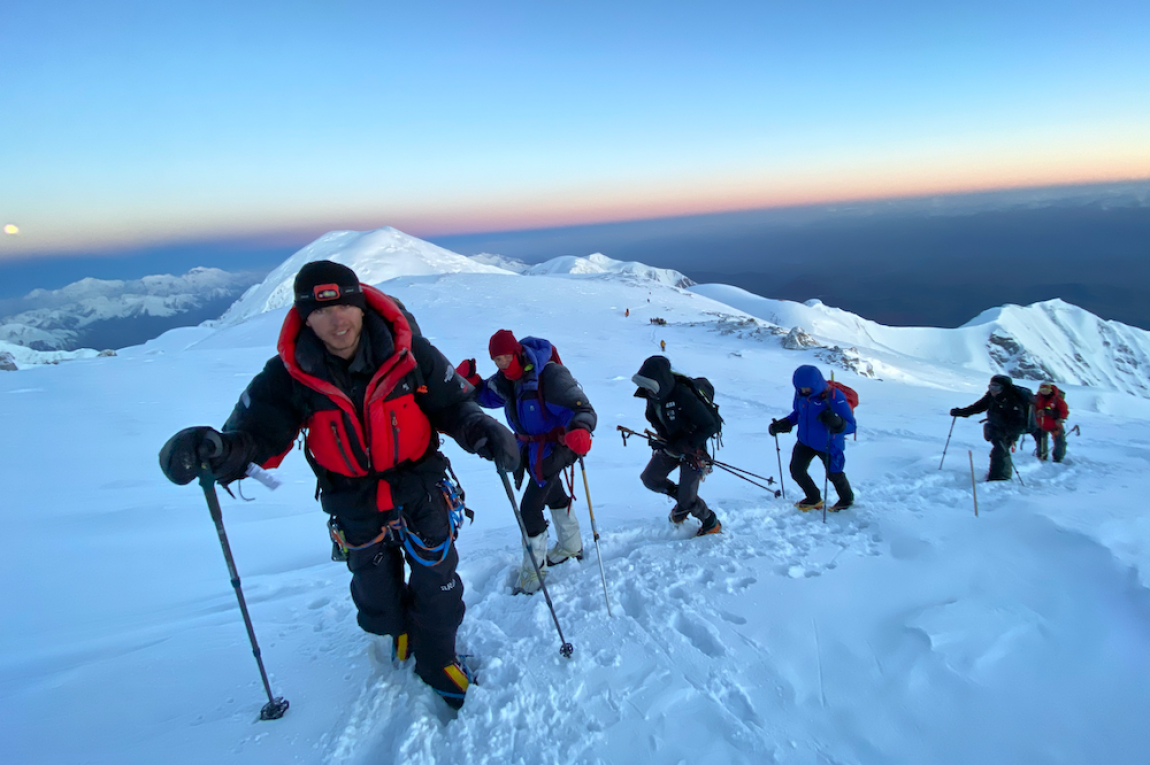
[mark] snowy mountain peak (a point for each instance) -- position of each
(375, 256)
(386, 253)
(1051, 340)
(600, 264)
(500, 261)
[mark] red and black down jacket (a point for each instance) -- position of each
(369, 456)
(1049, 410)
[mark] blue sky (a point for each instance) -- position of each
(129, 124)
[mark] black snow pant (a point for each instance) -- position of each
(686, 492)
(801, 459)
(428, 606)
(1042, 441)
(1001, 442)
(551, 494)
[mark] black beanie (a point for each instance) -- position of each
(322, 283)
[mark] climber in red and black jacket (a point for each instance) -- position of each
(369, 393)
(1050, 413)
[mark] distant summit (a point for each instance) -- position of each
(375, 256)
(499, 261)
(601, 265)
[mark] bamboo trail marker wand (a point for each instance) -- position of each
(826, 480)
(973, 488)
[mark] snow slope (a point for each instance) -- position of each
(905, 630)
(23, 357)
(1051, 340)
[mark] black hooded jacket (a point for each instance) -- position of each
(1007, 412)
(673, 409)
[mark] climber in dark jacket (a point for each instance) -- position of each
(683, 425)
(1007, 411)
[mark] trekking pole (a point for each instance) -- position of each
(779, 455)
(973, 488)
(827, 477)
(595, 534)
(952, 421)
(276, 706)
(776, 492)
(733, 469)
(565, 649)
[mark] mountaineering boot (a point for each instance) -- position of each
(710, 526)
(809, 504)
(459, 679)
(678, 515)
(528, 581)
(568, 541)
(842, 504)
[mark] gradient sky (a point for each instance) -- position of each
(135, 123)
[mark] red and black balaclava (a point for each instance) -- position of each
(503, 343)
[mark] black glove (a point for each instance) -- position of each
(956, 412)
(226, 454)
(832, 421)
(780, 426)
(494, 442)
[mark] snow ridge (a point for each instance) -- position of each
(1051, 340)
(64, 318)
(599, 264)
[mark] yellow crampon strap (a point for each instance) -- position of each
(457, 676)
(400, 647)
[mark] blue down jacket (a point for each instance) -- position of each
(807, 409)
(539, 421)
